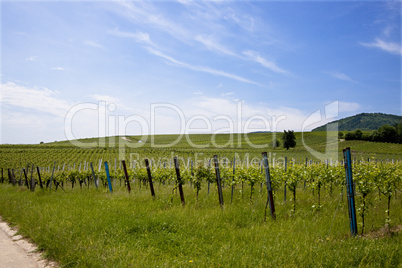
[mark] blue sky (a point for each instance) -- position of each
(193, 66)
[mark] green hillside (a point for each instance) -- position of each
(363, 121)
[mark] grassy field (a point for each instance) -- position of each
(94, 228)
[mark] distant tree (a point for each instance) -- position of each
(385, 133)
(275, 143)
(358, 134)
(340, 135)
(41, 142)
(399, 132)
(355, 135)
(289, 139)
(349, 136)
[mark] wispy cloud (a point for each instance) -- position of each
(342, 76)
(198, 92)
(244, 21)
(58, 68)
(390, 47)
(143, 12)
(116, 103)
(227, 94)
(254, 56)
(105, 98)
(42, 100)
(201, 68)
(139, 37)
(93, 44)
(32, 58)
(210, 42)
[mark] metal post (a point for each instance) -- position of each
(350, 191)
(109, 182)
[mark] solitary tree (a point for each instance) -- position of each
(275, 143)
(289, 139)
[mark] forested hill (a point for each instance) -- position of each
(363, 121)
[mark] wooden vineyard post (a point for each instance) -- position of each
(179, 181)
(304, 187)
(350, 191)
(19, 182)
(51, 178)
(40, 179)
(218, 180)
(233, 180)
(26, 177)
(284, 188)
(109, 182)
(11, 177)
(270, 198)
(93, 175)
(126, 175)
(32, 181)
(151, 185)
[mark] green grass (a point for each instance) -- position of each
(93, 228)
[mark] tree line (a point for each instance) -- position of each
(385, 133)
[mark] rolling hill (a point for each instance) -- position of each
(363, 121)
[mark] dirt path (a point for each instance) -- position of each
(17, 252)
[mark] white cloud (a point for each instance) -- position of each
(58, 68)
(201, 68)
(105, 98)
(341, 76)
(143, 12)
(246, 22)
(198, 92)
(32, 58)
(210, 42)
(227, 94)
(254, 56)
(93, 44)
(41, 100)
(139, 37)
(390, 47)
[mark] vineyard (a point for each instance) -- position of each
(166, 207)
(376, 178)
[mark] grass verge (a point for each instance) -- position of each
(93, 228)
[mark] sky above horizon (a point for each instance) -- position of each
(81, 69)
